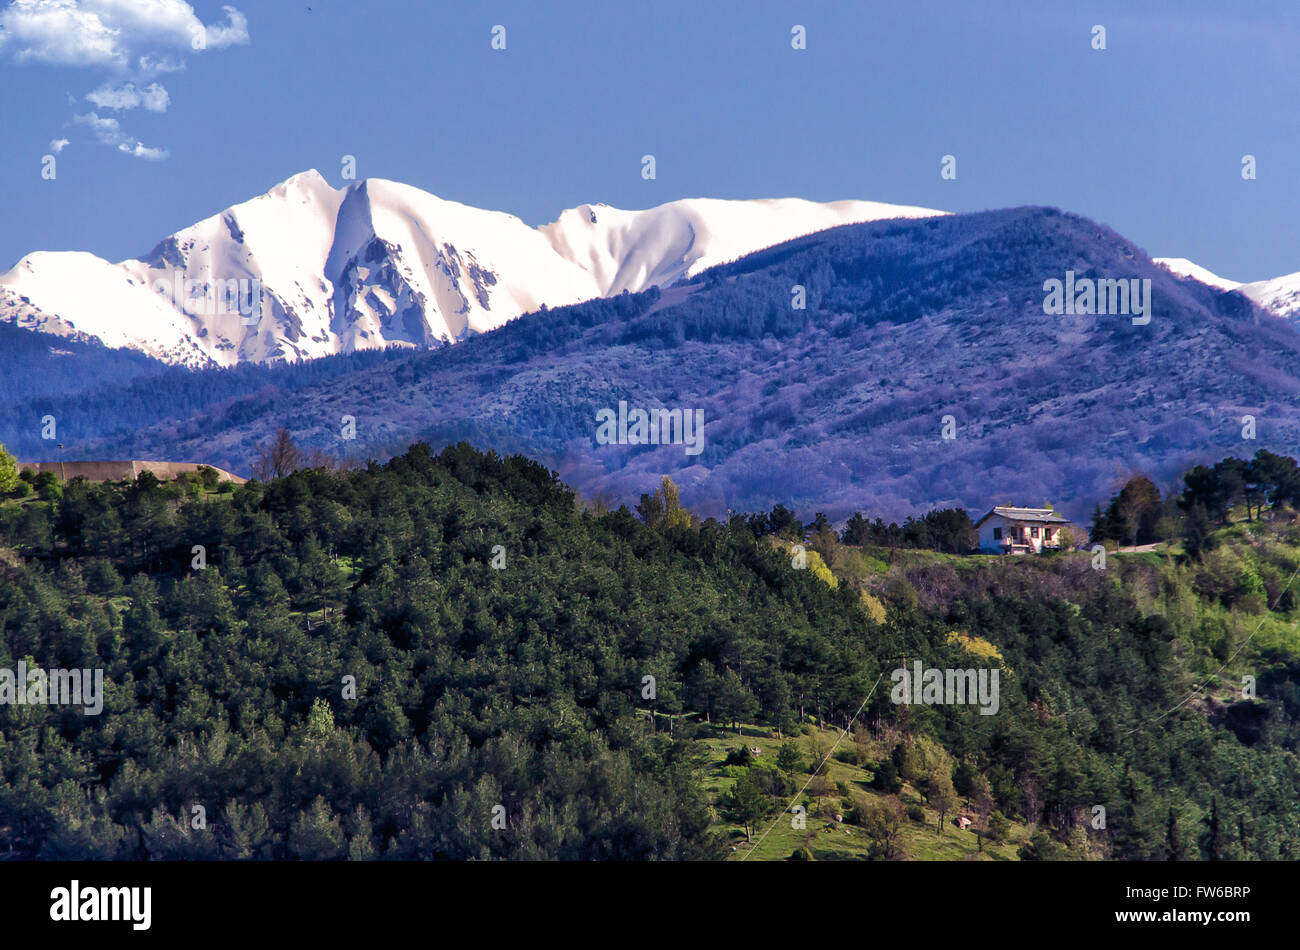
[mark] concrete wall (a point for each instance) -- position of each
(118, 470)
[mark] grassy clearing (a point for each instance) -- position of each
(827, 839)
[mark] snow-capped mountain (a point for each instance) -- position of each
(1279, 295)
(307, 270)
(634, 250)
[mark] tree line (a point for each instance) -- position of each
(1209, 496)
(448, 656)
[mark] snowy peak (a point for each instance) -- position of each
(274, 249)
(434, 270)
(634, 250)
(241, 285)
(1279, 296)
(75, 294)
(1185, 268)
(306, 269)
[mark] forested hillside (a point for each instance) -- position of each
(499, 636)
(100, 397)
(40, 364)
(896, 365)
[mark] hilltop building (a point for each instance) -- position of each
(1009, 529)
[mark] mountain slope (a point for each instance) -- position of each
(39, 365)
(840, 406)
(1279, 295)
(307, 270)
(634, 250)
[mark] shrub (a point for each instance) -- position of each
(886, 778)
(741, 756)
(789, 758)
(1042, 847)
(190, 484)
(209, 476)
(48, 486)
(999, 827)
(8, 471)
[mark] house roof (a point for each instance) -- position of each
(1012, 513)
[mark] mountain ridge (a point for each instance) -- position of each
(307, 270)
(1277, 295)
(837, 407)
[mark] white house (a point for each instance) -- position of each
(1008, 529)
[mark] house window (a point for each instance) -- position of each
(997, 534)
(1033, 532)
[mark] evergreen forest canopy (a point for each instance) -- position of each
(499, 634)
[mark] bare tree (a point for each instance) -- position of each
(883, 823)
(863, 746)
(319, 458)
(278, 459)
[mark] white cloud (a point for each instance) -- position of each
(101, 127)
(153, 97)
(58, 145)
(119, 34)
(108, 131)
(156, 65)
(57, 31)
(133, 40)
(140, 150)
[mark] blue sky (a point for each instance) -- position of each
(1146, 136)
